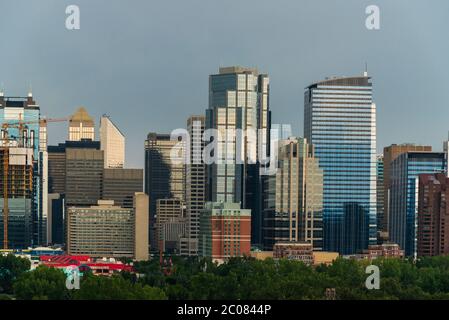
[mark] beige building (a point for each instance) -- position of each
(294, 199)
(106, 230)
(112, 142)
(81, 126)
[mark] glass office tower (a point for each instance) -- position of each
(32, 214)
(340, 121)
(238, 99)
(405, 171)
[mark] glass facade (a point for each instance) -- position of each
(238, 99)
(405, 171)
(340, 121)
(29, 216)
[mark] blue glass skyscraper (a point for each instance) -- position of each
(405, 171)
(340, 121)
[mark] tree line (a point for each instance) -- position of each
(239, 278)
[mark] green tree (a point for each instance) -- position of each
(43, 283)
(11, 267)
(115, 288)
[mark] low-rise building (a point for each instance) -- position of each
(386, 250)
(300, 251)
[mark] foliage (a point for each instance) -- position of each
(43, 283)
(11, 267)
(246, 278)
(115, 288)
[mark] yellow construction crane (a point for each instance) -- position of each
(5, 145)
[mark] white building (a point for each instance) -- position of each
(112, 142)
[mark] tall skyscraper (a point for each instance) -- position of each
(112, 143)
(390, 154)
(164, 176)
(195, 183)
(238, 99)
(340, 121)
(403, 215)
(294, 197)
(81, 126)
(23, 114)
(433, 215)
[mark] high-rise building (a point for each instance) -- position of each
(56, 169)
(340, 121)
(195, 183)
(380, 198)
(112, 143)
(403, 208)
(120, 185)
(225, 231)
(294, 197)
(164, 176)
(239, 99)
(390, 154)
(106, 230)
(81, 126)
(20, 200)
(23, 114)
(84, 174)
(433, 215)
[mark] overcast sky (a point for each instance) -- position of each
(146, 63)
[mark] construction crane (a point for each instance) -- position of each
(5, 142)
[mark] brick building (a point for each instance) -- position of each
(433, 215)
(225, 231)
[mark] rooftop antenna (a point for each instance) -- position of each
(366, 70)
(2, 92)
(30, 91)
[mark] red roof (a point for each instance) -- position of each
(65, 261)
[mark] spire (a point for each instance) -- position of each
(2, 92)
(30, 92)
(365, 74)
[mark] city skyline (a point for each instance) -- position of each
(85, 69)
